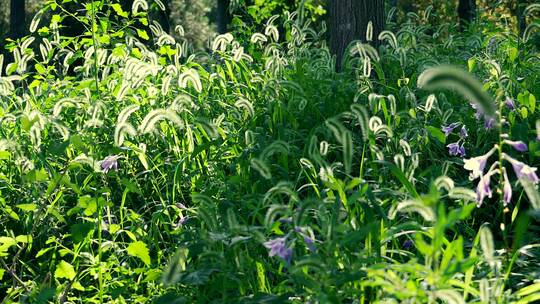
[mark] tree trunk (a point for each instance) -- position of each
(163, 17)
(521, 18)
(222, 17)
(466, 12)
(348, 22)
(17, 15)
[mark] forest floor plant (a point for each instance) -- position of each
(135, 171)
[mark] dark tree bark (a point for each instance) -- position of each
(521, 18)
(163, 17)
(466, 12)
(16, 18)
(348, 22)
(222, 18)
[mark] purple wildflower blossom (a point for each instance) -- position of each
(518, 145)
(182, 221)
(483, 189)
(489, 123)
(287, 220)
(479, 112)
(110, 162)
(455, 149)
(407, 244)
(463, 132)
(507, 189)
(310, 243)
(477, 164)
(509, 102)
(278, 248)
(522, 170)
(448, 129)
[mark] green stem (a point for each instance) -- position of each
(96, 47)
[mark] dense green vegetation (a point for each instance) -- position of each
(139, 166)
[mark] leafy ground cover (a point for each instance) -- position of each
(134, 170)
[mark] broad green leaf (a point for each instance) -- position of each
(471, 63)
(24, 238)
(27, 207)
(5, 243)
(142, 34)
(80, 231)
(5, 154)
(512, 54)
(139, 249)
(437, 133)
(118, 10)
(64, 270)
(40, 69)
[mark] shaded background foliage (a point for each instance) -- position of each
(252, 172)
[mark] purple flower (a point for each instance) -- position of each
(510, 103)
(479, 112)
(278, 248)
(286, 220)
(518, 145)
(463, 132)
(310, 243)
(407, 244)
(522, 170)
(483, 189)
(477, 164)
(538, 130)
(110, 162)
(448, 129)
(182, 221)
(507, 189)
(455, 149)
(489, 123)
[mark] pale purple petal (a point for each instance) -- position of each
(522, 170)
(479, 112)
(507, 190)
(483, 189)
(450, 128)
(455, 149)
(110, 162)
(477, 164)
(278, 248)
(310, 244)
(518, 145)
(463, 132)
(509, 102)
(489, 123)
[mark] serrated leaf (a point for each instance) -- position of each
(64, 270)
(143, 34)
(138, 249)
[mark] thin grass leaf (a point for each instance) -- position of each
(449, 77)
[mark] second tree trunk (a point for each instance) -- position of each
(348, 22)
